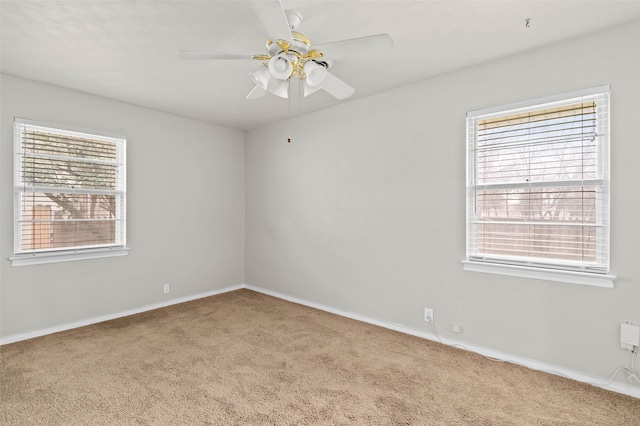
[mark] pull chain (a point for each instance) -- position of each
(289, 99)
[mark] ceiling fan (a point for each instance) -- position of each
(290, 54)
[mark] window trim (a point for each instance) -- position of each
(67, 256)
(557, 275)
(73, 253)
(544, 272)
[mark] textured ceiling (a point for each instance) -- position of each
(128, 50)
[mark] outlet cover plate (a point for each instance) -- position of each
(629, 335)
(428, 314)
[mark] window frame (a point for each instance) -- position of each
(32, 256)
(559, 271)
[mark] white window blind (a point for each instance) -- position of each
(69, 191)
(538, 183)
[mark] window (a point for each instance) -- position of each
(538, 187)
(69, 194)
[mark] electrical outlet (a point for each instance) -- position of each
(457, 328)
(166, 289)
(428, 314)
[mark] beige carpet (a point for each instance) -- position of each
(246, 358)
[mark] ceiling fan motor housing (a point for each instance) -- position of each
(294, 18)
(301, 44)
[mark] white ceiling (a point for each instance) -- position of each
(128, 50)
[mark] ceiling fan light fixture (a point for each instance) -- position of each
(315, 72)
(261, 77)
(280, 67)
(279, 88)
(290, 54)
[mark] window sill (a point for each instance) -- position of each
(66, 256)
(583, 278)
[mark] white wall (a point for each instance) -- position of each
(185, 200)
(365, 210)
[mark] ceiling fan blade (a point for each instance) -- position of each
(336, 87)
(214, 55)
(370, 45)
(257, 92)
(274, 19)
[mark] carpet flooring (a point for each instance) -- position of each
(244, 358)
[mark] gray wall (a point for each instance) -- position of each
(365, 210)
(185, 182)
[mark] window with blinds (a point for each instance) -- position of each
(69, 191)
(538, 184)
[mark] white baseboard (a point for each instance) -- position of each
(618, 387)
(5, 340)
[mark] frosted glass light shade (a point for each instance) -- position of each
(315, 73)
(279, 88)
(308, 89)
(261, 77)
(280, 67)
